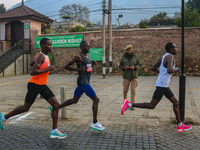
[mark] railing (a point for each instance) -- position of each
(10, 56)
(1, 46)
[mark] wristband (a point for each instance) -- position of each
(179, 70)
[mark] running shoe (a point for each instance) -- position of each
(125, 106)
(124, 100)
(57, 135)
(2, 123)
(50, 111)
(184, 127)
(97, 126)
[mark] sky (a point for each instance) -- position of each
(140, 9)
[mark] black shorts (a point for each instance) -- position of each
(35, 89)
(160, 91)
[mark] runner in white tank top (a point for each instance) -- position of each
(164, 77)
(165, 67)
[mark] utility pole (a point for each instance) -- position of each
(182, 76)
(103, 41)
(110, 37)
(22, 2)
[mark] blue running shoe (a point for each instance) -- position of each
(2, 123)
(57, 135)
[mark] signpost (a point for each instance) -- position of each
(62, 40)
(26, 30)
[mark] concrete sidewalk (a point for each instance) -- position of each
(138, 129)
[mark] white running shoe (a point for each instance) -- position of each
(97, 126)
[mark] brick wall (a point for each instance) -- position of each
(148, 45)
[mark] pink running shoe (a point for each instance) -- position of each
(184, 127)
(125, 106)
(124, 101)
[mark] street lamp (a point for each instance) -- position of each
(182, 76)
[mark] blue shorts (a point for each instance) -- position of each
(87, 89)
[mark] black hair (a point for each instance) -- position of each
(169, 46)
(82, 43)
(43, 41)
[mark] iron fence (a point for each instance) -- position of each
(10, 56)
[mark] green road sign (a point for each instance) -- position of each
(96, 54)
(62, 40)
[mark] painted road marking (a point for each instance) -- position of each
(13, 121)
(8, 83)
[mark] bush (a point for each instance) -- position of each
(143, 25)
(77, 29)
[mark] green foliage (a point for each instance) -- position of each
(125, 26)
(66, 16)
(193, 4)
(2, 8)
(77, 29)
(76, 11)
(159, 19)
(192, 19)
(162, 15)
(91, 24)
(46, 29)
(142, 25)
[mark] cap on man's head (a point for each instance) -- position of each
(128, 47)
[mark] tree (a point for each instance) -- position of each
(161, 15)
(2, 8)
(192, 19)
(159, 19)
(193, 4)
(76, 11)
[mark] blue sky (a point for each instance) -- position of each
(143, 9)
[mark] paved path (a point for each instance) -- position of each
(139, 129)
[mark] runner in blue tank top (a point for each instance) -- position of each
(165, 67)
(84, 68)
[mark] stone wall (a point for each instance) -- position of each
(148, 44)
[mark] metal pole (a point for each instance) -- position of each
(182, 76)
(27, 63)
(110, 38)
(23, 63)
(63, 97)
(103, 42)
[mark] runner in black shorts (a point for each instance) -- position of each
(37, 85)
(160, 91)
(165, 67)
(35, 89)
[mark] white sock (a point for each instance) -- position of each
(180, 124)
(55, 130)
(130, 105)
(3, 118)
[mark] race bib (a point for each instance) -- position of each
(89, 68)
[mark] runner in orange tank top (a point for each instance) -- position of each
(41, 79)
(37, 85)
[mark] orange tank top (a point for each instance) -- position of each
(41, 79)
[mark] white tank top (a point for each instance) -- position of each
(164, 77)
